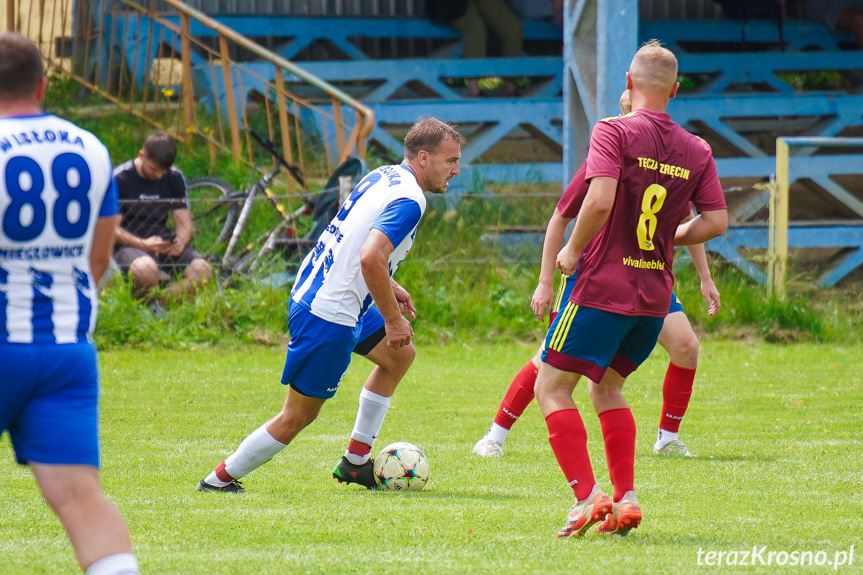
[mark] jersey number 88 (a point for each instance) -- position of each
(16, 227)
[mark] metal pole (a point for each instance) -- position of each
(780, 221)
(600, 37)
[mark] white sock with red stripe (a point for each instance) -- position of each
(370, 417)
(255, 450)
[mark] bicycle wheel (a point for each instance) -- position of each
(215, 205)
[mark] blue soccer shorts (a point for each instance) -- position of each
(373, 331)
(587, 341)
(49, 402)
(319, 351)
(675, 305)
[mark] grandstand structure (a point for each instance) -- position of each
(746, 83)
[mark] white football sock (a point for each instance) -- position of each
(497, 433)
(370, 416)
(255, 450)
(664, 437)
(116, 564)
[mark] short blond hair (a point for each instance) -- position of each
(653, 67)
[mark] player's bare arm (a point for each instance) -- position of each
(699, 259)
(374, 261)
(704, 227)
(592, 216)
(708, 288)
(543, 296)
(103, 243)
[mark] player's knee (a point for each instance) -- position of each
(685, 353)
(596, 391)
(601, 392)
(70, 498)
(288, 423)
(397, 361)
(407, 355)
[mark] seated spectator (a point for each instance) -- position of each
(841, 16)
(539, 10)
(473, 19)
(149, 189)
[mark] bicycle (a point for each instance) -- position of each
(222, 215)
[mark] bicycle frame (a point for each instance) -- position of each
(236, 260)
(262, 185)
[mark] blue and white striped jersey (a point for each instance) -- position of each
(55, 182)
(330, 282)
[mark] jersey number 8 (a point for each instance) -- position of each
(651, 203)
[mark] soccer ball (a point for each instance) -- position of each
(401, 466)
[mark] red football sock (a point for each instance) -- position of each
(518, 396)
(568, 440)
(618, 434)
(359, 448)
(676, 391)
(222, 474)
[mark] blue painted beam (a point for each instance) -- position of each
(800, 236)
(412, 68)
(844, 266)
(762, 167)
(686, 108)
(798, 34)
(396, 73)
(274, 25)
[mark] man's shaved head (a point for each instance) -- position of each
(654, 68)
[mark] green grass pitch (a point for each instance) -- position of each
(777, 430)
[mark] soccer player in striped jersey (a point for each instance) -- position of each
(677, 336)
(331, 313)
(58, 207)
(645, 171)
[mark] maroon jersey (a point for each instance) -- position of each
(660, 168)
(573, 196)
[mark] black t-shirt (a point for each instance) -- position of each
(145, 204)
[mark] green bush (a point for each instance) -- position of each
(245, 313)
